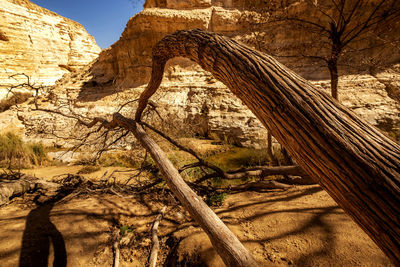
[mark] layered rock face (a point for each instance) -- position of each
(190, 96)
(127, 63)
(40, 44)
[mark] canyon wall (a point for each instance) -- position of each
(189, 96)
(40, 44)
(127, 63)
(193, 95)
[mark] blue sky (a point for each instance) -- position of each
(104, 19)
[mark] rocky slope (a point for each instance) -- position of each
(40, 43)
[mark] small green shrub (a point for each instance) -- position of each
(119, 159)
(389, 127)
(216, 199)
(123, 230)
(88, 169)
(194, 173)
(239, 157)
(180, 158)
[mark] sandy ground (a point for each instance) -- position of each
(302, 226)
(53, 172)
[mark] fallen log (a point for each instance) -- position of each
(25, 183)
(352, 160)
(231, 250)
(261, 171)
(264, 171)
(259, 185)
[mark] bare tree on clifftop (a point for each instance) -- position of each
(334, 28)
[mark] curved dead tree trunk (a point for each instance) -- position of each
(353, 161)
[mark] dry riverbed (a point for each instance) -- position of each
(301, 226)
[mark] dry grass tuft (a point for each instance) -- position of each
(15, 153)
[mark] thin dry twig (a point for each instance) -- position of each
(116, 247)
(155, 240)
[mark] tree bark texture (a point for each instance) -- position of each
(333, 71)
(353, 161)
(231, 250)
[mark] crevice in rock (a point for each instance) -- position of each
(66, 67)
(3, 37)
(210, 22)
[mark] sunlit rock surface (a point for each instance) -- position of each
(190, 96)
(40, 44)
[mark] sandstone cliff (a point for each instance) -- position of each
(40, 43)
(190, 95)
(127, 62)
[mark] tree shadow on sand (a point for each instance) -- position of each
(39, 233)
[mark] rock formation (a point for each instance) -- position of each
(40, 43)
(190, 95)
